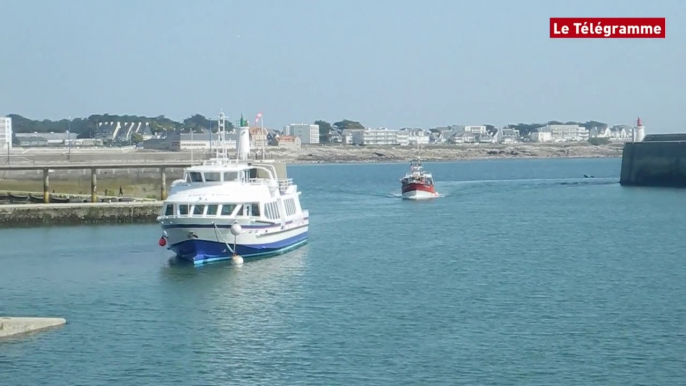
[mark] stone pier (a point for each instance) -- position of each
(659, 160)
(16, 326)
(141, 212)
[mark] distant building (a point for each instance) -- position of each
(347, 135)
(122, 131)
(335, 137)
(272, 134)
(560, 133)
(381, 137)
(31, 141)
(464, 137)
(621, 132)
(258, 138)
(541, 134)
(476, 129)
(287, 142)
(44, 139)
(178, 140)
(507, 135)
(485, 138)
(417, 136)
(5, 132)
(308, 133)
(600, 132)
(54, 139)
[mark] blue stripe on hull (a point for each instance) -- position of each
(204, 251)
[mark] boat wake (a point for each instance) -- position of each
(535, 182)
(398, 195)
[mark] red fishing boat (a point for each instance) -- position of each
(418, 184)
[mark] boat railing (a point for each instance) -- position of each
(285, 183)
(258, 181)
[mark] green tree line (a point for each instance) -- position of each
(86, 127)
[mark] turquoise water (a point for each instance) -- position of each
(523, 273)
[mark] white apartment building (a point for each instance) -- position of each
(476, 129)
(561, 133)
(373, 137)
(308, 133)
(417, 136)
(541, 135)
(5, 133)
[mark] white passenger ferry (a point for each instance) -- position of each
(198, 215)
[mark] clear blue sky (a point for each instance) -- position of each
(385, 63)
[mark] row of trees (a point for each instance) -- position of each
(87, 127)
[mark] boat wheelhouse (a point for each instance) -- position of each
(198, 215)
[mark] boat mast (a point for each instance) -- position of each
(419, 157)
(221, 149)
(264, 141)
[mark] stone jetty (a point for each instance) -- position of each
(79, 213)
(15, 326)
(657, 161)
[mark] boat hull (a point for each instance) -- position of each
(202, 244)
(417, 191)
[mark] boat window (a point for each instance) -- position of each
(230, 176)
(212, 210)
(195, 176)
(198, 209)
(212, 177)
(183, 210)
(272, 210)
(227, 209)
(290, 206)
(255, 208)
(169, 211)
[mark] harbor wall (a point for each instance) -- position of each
(654, 163)
(85, 174)
(81, 213)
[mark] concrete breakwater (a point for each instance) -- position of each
(15, 326)
(658, 161)
(79, 213)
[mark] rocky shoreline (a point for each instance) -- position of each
(323, 154)
(358, 154)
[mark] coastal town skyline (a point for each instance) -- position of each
(19, 121)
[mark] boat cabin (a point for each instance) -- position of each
(216, 176)
(268, 211)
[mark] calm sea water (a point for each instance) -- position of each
(523, 273)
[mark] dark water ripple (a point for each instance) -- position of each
(523, 273)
